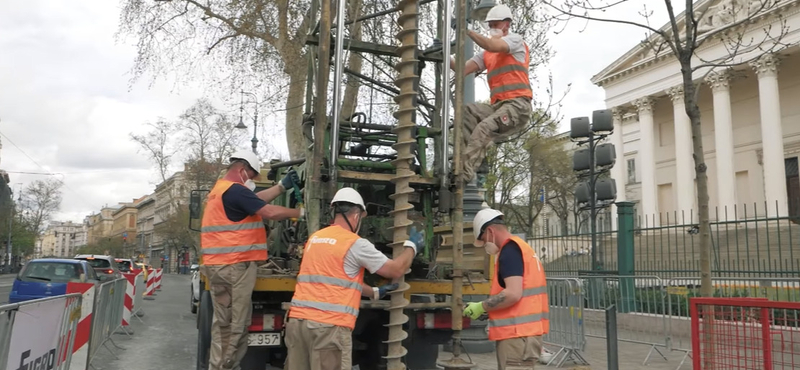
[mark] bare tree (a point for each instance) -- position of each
(209, 138)
(40, 200)
(733, 24)
(157, 144)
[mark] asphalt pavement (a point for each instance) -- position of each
(165, 339)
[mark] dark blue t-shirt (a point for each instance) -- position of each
(240, 202)
(509, 262)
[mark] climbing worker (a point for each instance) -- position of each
(234, 241)
(505, 58)
(330, 285)
(517, 305)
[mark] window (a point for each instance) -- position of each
(631, 171)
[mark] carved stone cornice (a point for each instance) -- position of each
(644, 105)
(675, 93)
(719, 80)
(766, 65)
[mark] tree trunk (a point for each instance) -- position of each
(693, 111)
(354, 63)
(294, 110)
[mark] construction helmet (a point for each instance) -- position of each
(499, 13)
(349, 195)
(249, 157)
(482, 218)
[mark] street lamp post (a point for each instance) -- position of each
(241, 124)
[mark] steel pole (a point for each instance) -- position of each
(445, 91)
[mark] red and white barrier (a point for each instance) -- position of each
(150, 289)
(130, 292)
(80, 349)
(157, 282)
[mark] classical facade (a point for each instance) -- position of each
(750, 119)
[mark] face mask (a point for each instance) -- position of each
(250, 184)
(491, 248)
(494, 32)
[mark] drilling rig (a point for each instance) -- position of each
(403, 168)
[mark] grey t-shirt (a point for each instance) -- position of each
(516, 47)
(363, 254)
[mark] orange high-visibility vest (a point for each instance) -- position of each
(225, 242)
(324, 292)
(508, 78)
(529, 316)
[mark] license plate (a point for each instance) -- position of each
(264, 339)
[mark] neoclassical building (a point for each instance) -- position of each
(750, 123)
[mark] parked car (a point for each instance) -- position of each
(48, 277)
(105, 266)
(195, 294)
(125, 264)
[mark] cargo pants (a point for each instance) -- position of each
(316, 346)
(518, 353)
(231, 294)
(488, 124)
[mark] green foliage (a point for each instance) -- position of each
(105, 246)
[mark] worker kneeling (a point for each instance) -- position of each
(517, 305)
(330, 285)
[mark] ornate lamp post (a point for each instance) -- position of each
(241, 124)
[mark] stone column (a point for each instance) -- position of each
(723, 141)
(771, 135)
(647, 159)
(684, 173)
(618, 171)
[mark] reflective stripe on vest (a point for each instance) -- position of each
(507, 77)
(530, 315)
(224, 242)
(324, 293)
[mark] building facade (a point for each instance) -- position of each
(145, 222)
(99, 225)
(170, 195)
(124, 226)
(750, 123)
(62, 239)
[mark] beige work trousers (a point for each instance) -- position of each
(316, 346)
(518, 353)
(231, 293)
(486, 125)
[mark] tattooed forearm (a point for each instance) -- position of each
(495, 300)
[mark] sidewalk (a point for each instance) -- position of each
(630, 355)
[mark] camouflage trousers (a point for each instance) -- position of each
(488, 124)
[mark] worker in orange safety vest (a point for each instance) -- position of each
(505, 58)
(233, 242)
(330, 285)
(517, 306)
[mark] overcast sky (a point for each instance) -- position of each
(66, 105)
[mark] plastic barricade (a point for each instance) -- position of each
(157, 281)
(80, 347)
(150, 289)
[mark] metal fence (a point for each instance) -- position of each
(107, 316)
(566, 297)
(744, 242)
(29, 329)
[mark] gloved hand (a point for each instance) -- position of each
(381, 292)
(416, 237)
(410, 244)
(291, 179)
(474, 310)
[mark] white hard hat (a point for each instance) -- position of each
(483, 217)
(498, 13)
(349, 195)
(249, 157)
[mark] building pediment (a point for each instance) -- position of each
(712, 15)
